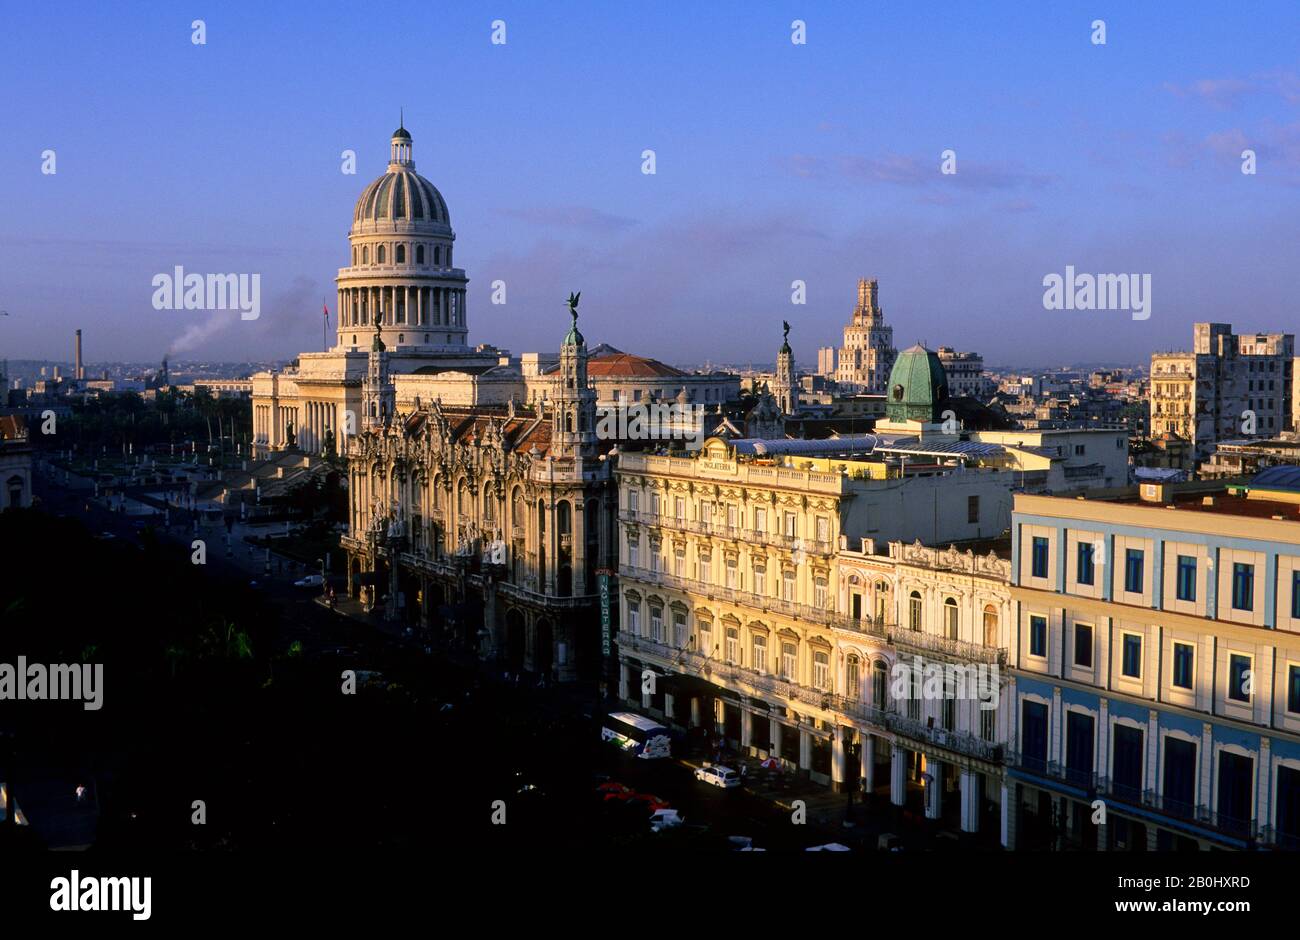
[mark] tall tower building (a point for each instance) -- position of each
(786, 392)
(573, 429)
(868, 353)
(78, 372)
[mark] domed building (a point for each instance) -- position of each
(917, 387)
(402, 268)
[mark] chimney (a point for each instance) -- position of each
(78, 372)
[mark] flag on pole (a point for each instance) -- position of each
(325, 309)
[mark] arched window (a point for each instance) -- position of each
(379, 255)
(990, 625)
(365, 254)
(489, 507)
(879, 684)
(354, 256)
(400, 254)
(950, 618)
(419, 254)
(852, 677)
(914, 611)
(401, 337)
(437, 254)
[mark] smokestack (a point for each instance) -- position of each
(78, 372)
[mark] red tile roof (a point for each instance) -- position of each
(630, 366)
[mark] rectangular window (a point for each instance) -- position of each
(705, 642)
(679, 504)
(654, 504)
(1040, 556)
(680, 634)
(1243, 586)
(823, 529)
(821, 671)
(731, 573)
(1085, 567)
(1083, 645)
(1186, 578)
(819, 595)
(1239, 678)
(1127, 779)
(1132, 656)
(790, 525)
(633, 553)
(1134, 564)
(633, 500)
(787, 586)
(679, 563)
(1033, 735)
(704, 565)
(760, 653)
(733, 644)
(1184, 660)
(760, 580)
(760, 520)
(973, 510)
(1293, 689)
(787, 661)
(656, 624)
(634, 617)
(1295, 595)
(1038, 636)
(731, 515)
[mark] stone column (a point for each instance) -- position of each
(898, 776)
(746, 727)
(970, 801)
(1010, 812)
(805, 749)
(868, 759)
(838, 759)
(776, 738)
(669, 699)
(695, 711)
(934, 789)
(623, 672)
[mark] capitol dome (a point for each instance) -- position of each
(402, 276)
(401, 194)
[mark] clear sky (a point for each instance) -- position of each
(775, 162)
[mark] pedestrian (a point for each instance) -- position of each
(81, 793)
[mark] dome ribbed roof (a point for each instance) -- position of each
(401, 195)
(918, 384)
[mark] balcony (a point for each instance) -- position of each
(959, 742)
(963, 650)
(731, 532)
(571, 602)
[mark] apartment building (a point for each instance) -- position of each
(1156, 667)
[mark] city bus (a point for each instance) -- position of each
(637, 735)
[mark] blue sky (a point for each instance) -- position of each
(775, 162)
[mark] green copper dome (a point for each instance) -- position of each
(573, 337)
(918, 385)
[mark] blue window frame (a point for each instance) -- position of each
(1238, 674)
(1295, 594)
(1184, 657)
(1293, 690)
(1243, 586)
(1132, 666)
(1040, 557)
(1186, 577)
(1084, 572)
(1038, 636)
(1134, 559)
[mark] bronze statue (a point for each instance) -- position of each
(573, 306)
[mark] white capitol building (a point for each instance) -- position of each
(402, 276)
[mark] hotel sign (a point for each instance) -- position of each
(721, 466)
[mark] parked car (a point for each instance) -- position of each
(613, 790)
(312, 580)
(648, 802)
(829, 847)
(718, 775)
(665, 819)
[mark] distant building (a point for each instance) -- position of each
(868, 353)
(826, 361)
(1229, 386)
(965, 373)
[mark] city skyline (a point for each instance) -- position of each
(1111, 165)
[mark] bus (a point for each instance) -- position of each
(637, 735)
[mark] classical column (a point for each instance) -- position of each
(934, 789)
(898, 776)
(805, 749)
(776, 738)
(970, 802)
(669, 699)
(695, 711)
(623, 672)
(746, 727)
(868, 757)
(838, 759)
(1010, 807)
